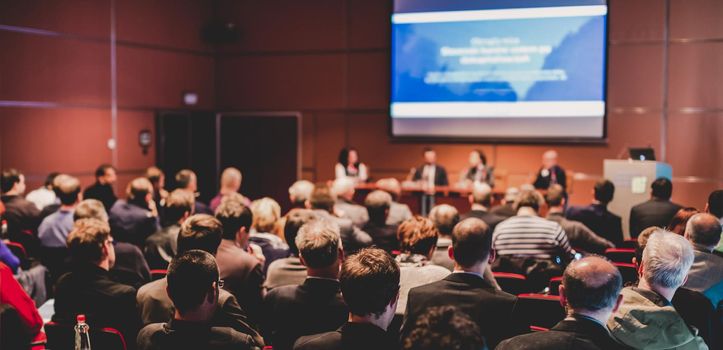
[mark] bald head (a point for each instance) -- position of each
(703, 229)
(471, 242)
(591, 284)
(549, 159)
(445, 217)
(482, 194)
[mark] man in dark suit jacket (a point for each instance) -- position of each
(550, 173)
(657, 211)
(134, 219)
(481, 200)
(430, 172)
(322, 204)
(20, 213)
(288, 309)
(596, 215)
(378, 204)
(186, 180)
(369, 282)
(102, 189)
(161, 246)
(491, 309)
(591, 290)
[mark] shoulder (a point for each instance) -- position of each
(149, 335)
(149, 290)
(282, 293)
(326, 340)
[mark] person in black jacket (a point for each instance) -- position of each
(134, 219)
(657, 211)
(102, 189)
(596, 215)
(316, 305)
(378, 204)
(550, 172)
(369, 282)
(591, 292)
(493, 310)
(481, 200)
(430, 172)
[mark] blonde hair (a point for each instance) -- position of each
(267, 213)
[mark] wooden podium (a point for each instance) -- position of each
(632, 179)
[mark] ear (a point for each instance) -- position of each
(450, 252)
(492, 257)
(563, 295)
(340, 254)
(471, 199)
(640, 270)
(241, 232)
(307, 204)
(617, 303)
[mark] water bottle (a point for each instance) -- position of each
(82, 335)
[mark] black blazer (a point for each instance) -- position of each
(351, 336)
(490, 219)
(544, 182)
(492, 309)
(597, 218)
(313, 307)
(654, 212)
(580, 333)
(440, 175)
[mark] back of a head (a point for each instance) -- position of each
(300, 192)
(471, 242)
(704, 229)
(680, 220)
(191, 277)
(178, 203)
(342, 186)
(662, 188)
(667, 258)
(378, 203)
(369, 281)
(604, 191)
(266, 213)
(154, 175)
(444, 217)
(322, 198)
(511, 194)
(318, 243)
(529, 199)
(50, 179)
(139, 188)
(90, 209)
(295, 219)
(68, 190)
(555, 195)
(233, 215)
(482, 194)
(184, 178)
(201, 232)
(390, 185)
(8, 179)
(417, 235)
(231, 178)
(86, 240)
(592, 284)
(444, 327)
(715, 203)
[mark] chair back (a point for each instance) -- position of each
(629, 273)
(620, 255)
(157, 274)
(540, 310)
(512, 283)
(554, 285)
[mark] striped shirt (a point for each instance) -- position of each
(531, 236)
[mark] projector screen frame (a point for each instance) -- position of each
(603, 140)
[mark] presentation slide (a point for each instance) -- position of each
(502, 69)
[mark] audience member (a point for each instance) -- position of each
(646, 319)
(322, 203)
(160, 247)
(88, 288)
(680, 220)
(299, 193)
(530, 245)
(580, 236)
(466, 288)
(398, 212)
(198, 232)
(369, 282)
(186, 180)
(417, 241)
(102, 189)
(314, 306)
(596, 215)
(507, 208)
(54, 229)
(350, 167)
(384, 236)
(242, 273)
(706, 274)
(8, 258)
(158, 180)
(290, 271)
(715, 208)
(550, 172)
(343, 190)
(20, 214)
(430, 173)
(478, 171)
(55, 205)
(481, 200)
(134, 219)
(194, 288)
(45, 194)
(657, 211)
(444, 217)
(590, 292)
(12, 293)
(444, 327)
(265, 232)
(230, 183)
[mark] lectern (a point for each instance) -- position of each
(632, 179)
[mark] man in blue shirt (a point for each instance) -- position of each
(53, 231)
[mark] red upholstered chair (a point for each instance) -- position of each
(630, 243)
(511, 282)
(540, 310)
(554, 285)
(158, 274)
(62, 337)
(620, 255)
(628, 271)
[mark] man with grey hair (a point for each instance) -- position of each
(398, 212)
(343, 189)
(481, 200)
(646, 319)
(300, 192)
(378, 204)
(590, 291)
(706, 275)
(315, 306)
(507, 208)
